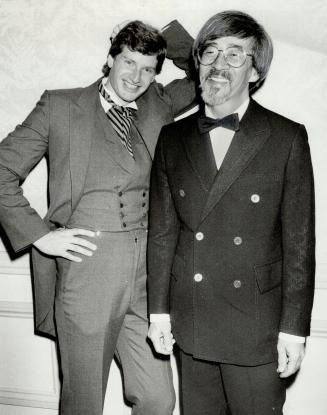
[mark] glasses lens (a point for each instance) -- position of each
(235, 56)
(208, 54)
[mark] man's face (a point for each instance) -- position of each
(131, 73)
(221, 82)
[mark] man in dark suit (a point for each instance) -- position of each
(231, 233)
(89, 251)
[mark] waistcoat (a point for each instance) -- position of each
(114, 198)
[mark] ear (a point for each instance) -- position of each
(110, 61)
(254, 76)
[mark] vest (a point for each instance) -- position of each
(114, 199)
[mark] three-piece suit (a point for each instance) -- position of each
(94, 183)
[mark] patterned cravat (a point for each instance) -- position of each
(121, 119)
(206, 124)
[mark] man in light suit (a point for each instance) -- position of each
(231, 233)
(89, 251)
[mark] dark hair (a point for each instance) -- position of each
(241, 25)
(139, 37)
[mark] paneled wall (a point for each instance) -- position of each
(56, 44)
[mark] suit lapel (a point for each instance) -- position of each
(118, 153)
(82, 131)
(254, 131)
(199, 153)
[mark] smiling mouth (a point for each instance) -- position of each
(219, 79)
(130, 86)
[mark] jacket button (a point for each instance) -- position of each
(120, 194)
(237, 284)
(198, 277)
(255, 198)
(199, 236)
(182, 193)
(237, 240)
(124, 225)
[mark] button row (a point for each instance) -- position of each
(199, 277)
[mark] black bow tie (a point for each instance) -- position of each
(206, 124)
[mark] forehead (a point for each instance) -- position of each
(137, 57)
(230, 41)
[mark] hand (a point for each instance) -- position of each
(64, 242)
(290, 356)
(118, 28)
(161, 337)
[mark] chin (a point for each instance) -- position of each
(213, 98)
(214, 95)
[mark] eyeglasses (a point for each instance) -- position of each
(234, 56)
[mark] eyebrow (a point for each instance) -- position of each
(132, 60)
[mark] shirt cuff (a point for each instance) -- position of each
(159, 318)
(291, 338)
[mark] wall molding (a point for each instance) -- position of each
(19, 266)
(48, 399)
(319, 328)
(20, 397)
(16, 309)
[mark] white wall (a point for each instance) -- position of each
(57, 44)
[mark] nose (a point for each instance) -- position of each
(136, 75)
(220, 62)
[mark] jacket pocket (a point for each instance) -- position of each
(268, 276)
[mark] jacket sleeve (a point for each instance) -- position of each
(20, 151)
(163, 234)
(182, 92)
(298, 233)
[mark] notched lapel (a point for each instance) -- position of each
(82, 128)
(246, 143)
(199, 153)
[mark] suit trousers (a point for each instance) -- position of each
(101, 311)
(210, 388)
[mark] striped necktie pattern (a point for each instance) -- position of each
(121, 120)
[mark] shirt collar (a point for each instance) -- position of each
(118, 101)
(240, 110)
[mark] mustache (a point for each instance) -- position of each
(219, 73)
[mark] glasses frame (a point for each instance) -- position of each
(223, 52)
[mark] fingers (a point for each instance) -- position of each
(83, 242)
(77, 231)
(166, 340)
(74, 244)
(290, 356)
(66, 242)
(292, 367)
(161, 337)
(78, 249)
(282, 358)
(118, 28)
